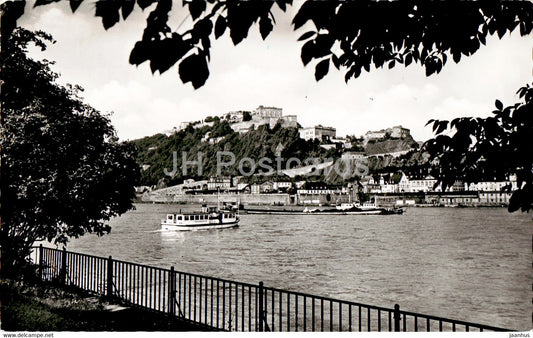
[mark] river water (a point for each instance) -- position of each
(467, 264)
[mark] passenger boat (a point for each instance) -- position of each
(207, 218)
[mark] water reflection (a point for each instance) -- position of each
(172, 236)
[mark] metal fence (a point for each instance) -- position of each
(229, 305)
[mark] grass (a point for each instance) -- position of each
(46, 308)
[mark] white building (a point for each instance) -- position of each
(493, 186)
(394, 132)
(318, 132)
(417, 184)
(195, 125)
(281, 185)
(374, 135)
(222, 183)
(388, 187)
(235, 116)
(494, 197)
(260, 116)
(399, 132)
(263, 111)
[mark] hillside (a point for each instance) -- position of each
(155, 153)
(390, 145)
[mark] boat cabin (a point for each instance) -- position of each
(200, 217)
(208, 218)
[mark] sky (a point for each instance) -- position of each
(269, 73)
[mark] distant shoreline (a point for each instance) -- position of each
(301, 206)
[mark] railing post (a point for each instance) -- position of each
(261, 313)
(109, 290)
(41, 260)
(63, 271)
(397, 318)
(171, 293)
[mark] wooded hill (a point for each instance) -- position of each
(155, 152)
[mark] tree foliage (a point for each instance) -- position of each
(157, 151)
(352, 35)
(476, 149)
(64, 173)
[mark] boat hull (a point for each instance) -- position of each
(362, 212)
(196, 227)
(325, 212)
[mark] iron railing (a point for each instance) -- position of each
(229, 305)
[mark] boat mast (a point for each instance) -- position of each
(218, 198)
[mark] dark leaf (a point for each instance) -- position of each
(521, 92)
(127, 8)
(323, 44)
(482, 38)
(308, 51)
(108, 11)
(435, 125)
(522, 28)
(456, 56)
(335, 60)
(194, 69)
(282, 5)
(349, 74)
(196, 8)
(202, 29)
(408, 59)
(220, 26)
(265, 26)
(455, 122)
(391, 64)
(321, 69)
(303, 15)
(43, 2)
(74, 4)
(431, 67)
(139, 53)
(239, 22)
(145, 3)
(356, 73)
(306, 35)
(501, 31)
(165, 53)
(498, 104)
(442, 126)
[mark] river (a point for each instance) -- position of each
(468, 264)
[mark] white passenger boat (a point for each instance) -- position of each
(207, 218)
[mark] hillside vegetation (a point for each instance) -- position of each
(156, 153)
(390, 145)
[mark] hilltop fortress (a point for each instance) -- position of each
(243, 121)
(260, 116)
